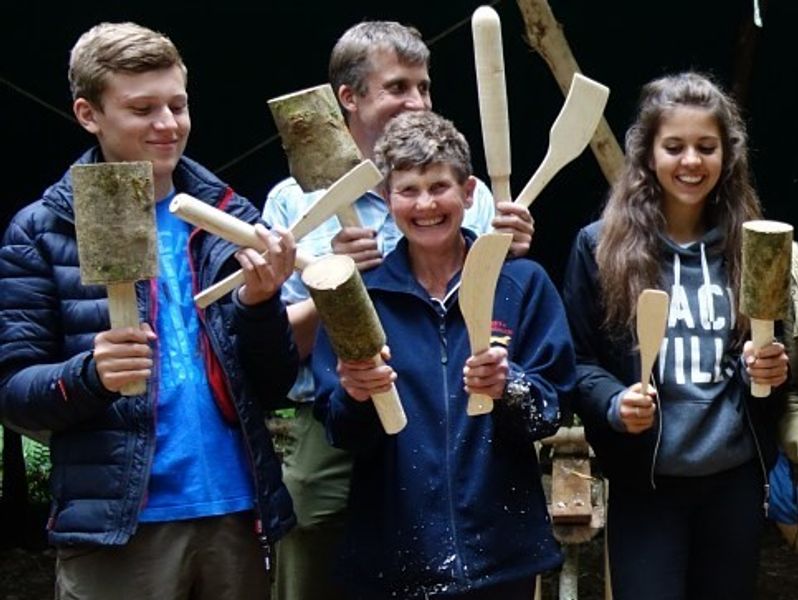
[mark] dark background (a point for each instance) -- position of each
(239, 54)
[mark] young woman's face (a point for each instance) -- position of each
(687, 158)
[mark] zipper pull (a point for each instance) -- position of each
(766, 505)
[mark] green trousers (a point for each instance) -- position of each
(317, 476)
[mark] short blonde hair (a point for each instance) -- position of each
(110, 48)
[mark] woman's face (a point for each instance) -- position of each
(687, 158)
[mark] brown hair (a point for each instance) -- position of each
(350, 63)
(117, 47)
(418, 139)
(629, 250)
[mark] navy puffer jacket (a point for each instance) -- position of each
(102, 444)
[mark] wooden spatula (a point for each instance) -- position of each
(570, 133)
(652, 316)
(477, 287)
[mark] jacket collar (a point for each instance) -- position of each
(189, 176)
(395, 274)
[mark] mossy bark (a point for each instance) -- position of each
(315, 137)
(766, 259)
(344, 306)
(115, 222)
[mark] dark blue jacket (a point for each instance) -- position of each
(607, 365)
(102, 444)
(452, 502)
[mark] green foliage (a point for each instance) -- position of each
(37, 467)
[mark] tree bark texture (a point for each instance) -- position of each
(767, 255)
(115, 222)
(344, 306)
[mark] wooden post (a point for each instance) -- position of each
(352, 324)
(116, 235)
(545, 35)
(765, 285)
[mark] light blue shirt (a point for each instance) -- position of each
(286, 202)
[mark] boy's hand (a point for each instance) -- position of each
(264, 276)
(767, 366)
(486, 372)
(123, 356)
(361, 244)
(362, 378)
(515, 218)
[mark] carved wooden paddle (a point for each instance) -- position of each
(477, 287)
(570, 133)
(652, 316)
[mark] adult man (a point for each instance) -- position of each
(378, 69)
(177, 492)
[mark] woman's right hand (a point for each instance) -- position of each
(637, 410)
(362, 378)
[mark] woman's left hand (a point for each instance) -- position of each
(486, 372)
(767, 366)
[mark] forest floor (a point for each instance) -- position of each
(28, 574)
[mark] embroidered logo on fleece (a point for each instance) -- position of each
(501, 334)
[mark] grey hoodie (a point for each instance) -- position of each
(704, 427)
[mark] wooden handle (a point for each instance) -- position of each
(570, 133)
(389, 408)
(492, 91)
(124, 312)
(342, 193)
(652, 318)
(480, 274)
(546, 36)
(215, 221)
(762, 333)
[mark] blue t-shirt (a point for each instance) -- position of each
(200, 466)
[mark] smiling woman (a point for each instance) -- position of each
(673, 222)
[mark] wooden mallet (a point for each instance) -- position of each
(352, 324)
(765, 284)
(116, 234)
(316, 140)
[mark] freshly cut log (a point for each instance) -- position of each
(352, 324)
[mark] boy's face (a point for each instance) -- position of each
(144, 116)
(428, 205)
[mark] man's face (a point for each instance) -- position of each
(143, 117)
(392, 87)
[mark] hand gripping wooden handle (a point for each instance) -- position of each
(492, 91)
(343, 192)
(352, 324)
(124, 312)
